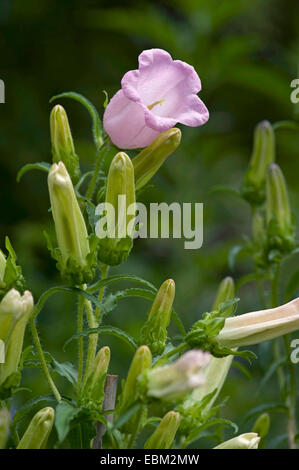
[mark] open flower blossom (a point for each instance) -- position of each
(153, 99)
(172, 381)
(263, 325)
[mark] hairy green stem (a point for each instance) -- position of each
(105, 270)
(80, 340)
(93, 181)
(43, 360)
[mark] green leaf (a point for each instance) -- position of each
(106, 330)
(65, 413)
(225, 190)
(119, 277)
(65, 369)
(278, 407)
(272, 369)
(252, 277)
(127, 415)
(195, 434)
(32, 407)
(42, 166)
(242, 368)
(96, 121)
(292, 286)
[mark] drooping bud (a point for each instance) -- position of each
(115, 229)
(154, 331)
(278, 212)
(63, 149)
(70, 226)
(38, 431)
(253, 189)
(4, 427)
(15, 311)
(226, 292)
(175, 380)
(94, 389)
(263, 325)
(150, 159)
(163, 436)
(250, 440)
(141, 362)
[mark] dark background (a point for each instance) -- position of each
(245, 53)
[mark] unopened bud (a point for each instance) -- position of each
(15, 311)
(262, 156)
(154, 331)
(150, 159)
(226, 292)
(4, 427)
(62, 142)
(164, 435)
(2, 267)
(278, 205)
(94, 388)
(38, 431)
(175, 380)
(250, 440)
(115, 229)
(70, 226)
(262, 425)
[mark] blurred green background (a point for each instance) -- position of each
(245, 53)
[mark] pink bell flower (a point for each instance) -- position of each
(153, 99)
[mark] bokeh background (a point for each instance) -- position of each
(246, 55)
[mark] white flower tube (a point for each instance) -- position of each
(250, 440)
(263, 325)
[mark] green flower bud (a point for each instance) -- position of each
(15, 311)
(262, 425)
(150, 159)
(226, 292)
(173, 381)
(38, 431)
(94, 389)
(2, 267)
(154, 331)
(280, 225)
(262, 156)
(164, 435)
(116, 241)
(62, 142)
(70, 227)
(250, 440)
(258, 228)
(4, 427)
(141, 362)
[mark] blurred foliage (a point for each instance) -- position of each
(246, 55)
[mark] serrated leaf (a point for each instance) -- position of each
(65, 413)
(108, 330)
(117, 278)
(41, 166)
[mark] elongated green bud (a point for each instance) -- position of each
(262, 156)
(62, 142)
(280, 226)
(2, 267)
(115, 229)
(141, 362)
(154, 331)
(226, 292)
(94, 389)
(250, 440)
(15, 311)
(163, 436)
(262, 425)
(4, 427)
(149, 160)
(70, 226)
(38, 431)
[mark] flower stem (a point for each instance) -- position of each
(93, 181)
(43, 360)
(92, 339)
(80, 340)
(291, 398)
(105, 270)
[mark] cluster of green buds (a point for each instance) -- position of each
(150, 159)
(63, 149)
(164, 435)
(279, 218)
(174, 381)
(15, 311)
(75, 258)
(39, 429)
(115, 228)
(93, 393)
(253, 188)
(4, 427)
(154, 331)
